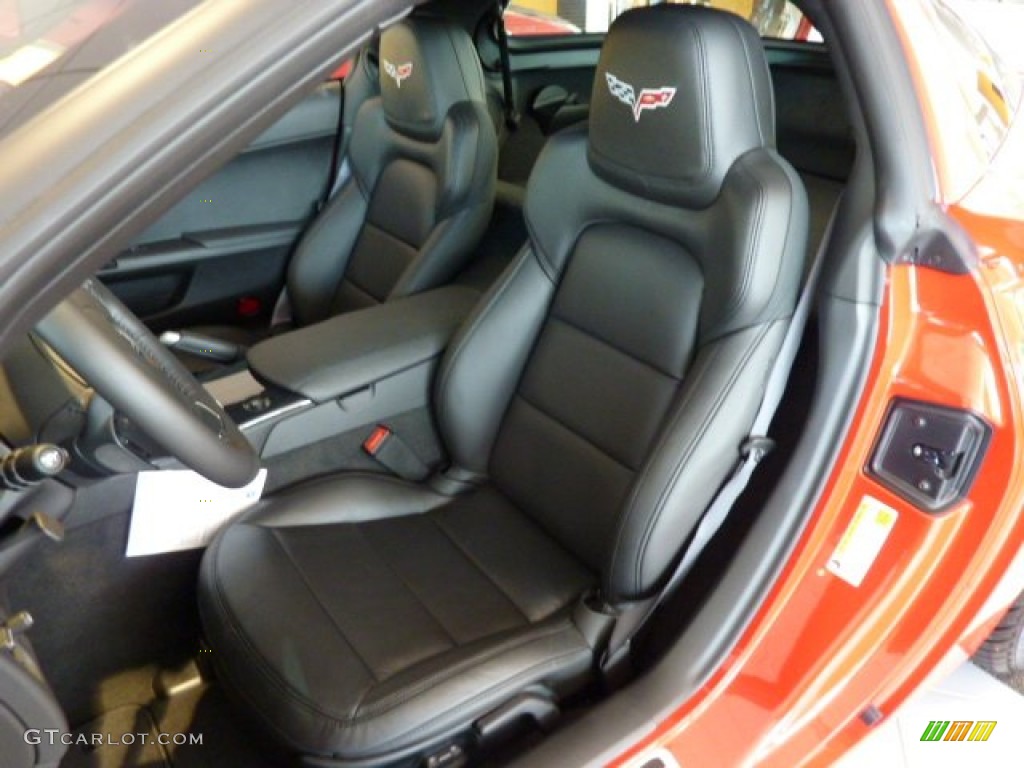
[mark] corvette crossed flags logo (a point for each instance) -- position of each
(649, 98)
(397, 73)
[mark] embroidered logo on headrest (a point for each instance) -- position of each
(397, 73)
(649, 98)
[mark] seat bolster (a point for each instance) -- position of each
(485, 360)
(470, 159)
(323, 254)
(467, 165)
(353, 497)
(696, 451)
(445, 252)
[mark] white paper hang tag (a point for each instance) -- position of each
(175, 510)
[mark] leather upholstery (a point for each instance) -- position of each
(426, 67)
(718, 103)
(350, 352)
(361, 85)
(599, 394)
(418, 183)
(378, 615)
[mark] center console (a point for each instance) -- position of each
(344, 373)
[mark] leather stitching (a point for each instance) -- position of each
(534, 242)
(474, 323)
(691, 446)
(276, 536)
(408, 587)
(638, 483)
(478, 566)
(261, 664)
(400, 697)
(565, 427)
(737, 301)
(459, 63)
(786, 246)
(707, 129)
(331, 479)
(461, 127)
(735, 26)
(604, 342)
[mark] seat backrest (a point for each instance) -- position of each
(421, 167)
(606, 383)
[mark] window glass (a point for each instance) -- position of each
(773, 18)
(986, 85)
(48, 47)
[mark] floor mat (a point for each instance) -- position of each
(196, 728)
(128, 739)
(228, 739)
(104, 623)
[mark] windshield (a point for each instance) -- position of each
(989, 88)
(48, 47)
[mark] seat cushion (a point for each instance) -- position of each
(361, 616)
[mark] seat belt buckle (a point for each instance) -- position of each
(376, 440)
(391, 452)
(756, 447)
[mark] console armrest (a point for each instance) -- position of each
(352, 351)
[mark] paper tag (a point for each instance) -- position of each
(176, 510)
(863, 540)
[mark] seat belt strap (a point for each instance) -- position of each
(339, 161)
(508, 95)
(614, 661)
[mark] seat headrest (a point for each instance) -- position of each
(426, 67)
(680, 93)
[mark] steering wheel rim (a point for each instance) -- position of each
(109, 347)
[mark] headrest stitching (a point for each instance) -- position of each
(708, 141)
(750, 72)
(458, 63)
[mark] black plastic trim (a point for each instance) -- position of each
(952, 443)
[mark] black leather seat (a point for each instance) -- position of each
(419, 180)
(596, 398)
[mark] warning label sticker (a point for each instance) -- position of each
(862, 541)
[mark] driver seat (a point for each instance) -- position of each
(591, 406)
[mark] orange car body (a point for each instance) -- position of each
(822, 652)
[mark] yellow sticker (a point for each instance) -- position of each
(863, 540)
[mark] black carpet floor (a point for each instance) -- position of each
(213, 736)
(107, 626)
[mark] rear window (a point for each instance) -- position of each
(778, 19)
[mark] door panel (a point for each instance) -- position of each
(231, 236)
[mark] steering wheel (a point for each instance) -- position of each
(101, 339)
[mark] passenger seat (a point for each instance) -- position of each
(414, 199)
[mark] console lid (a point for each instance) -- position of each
(352, 351)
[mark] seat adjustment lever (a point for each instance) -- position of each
(525, 706)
